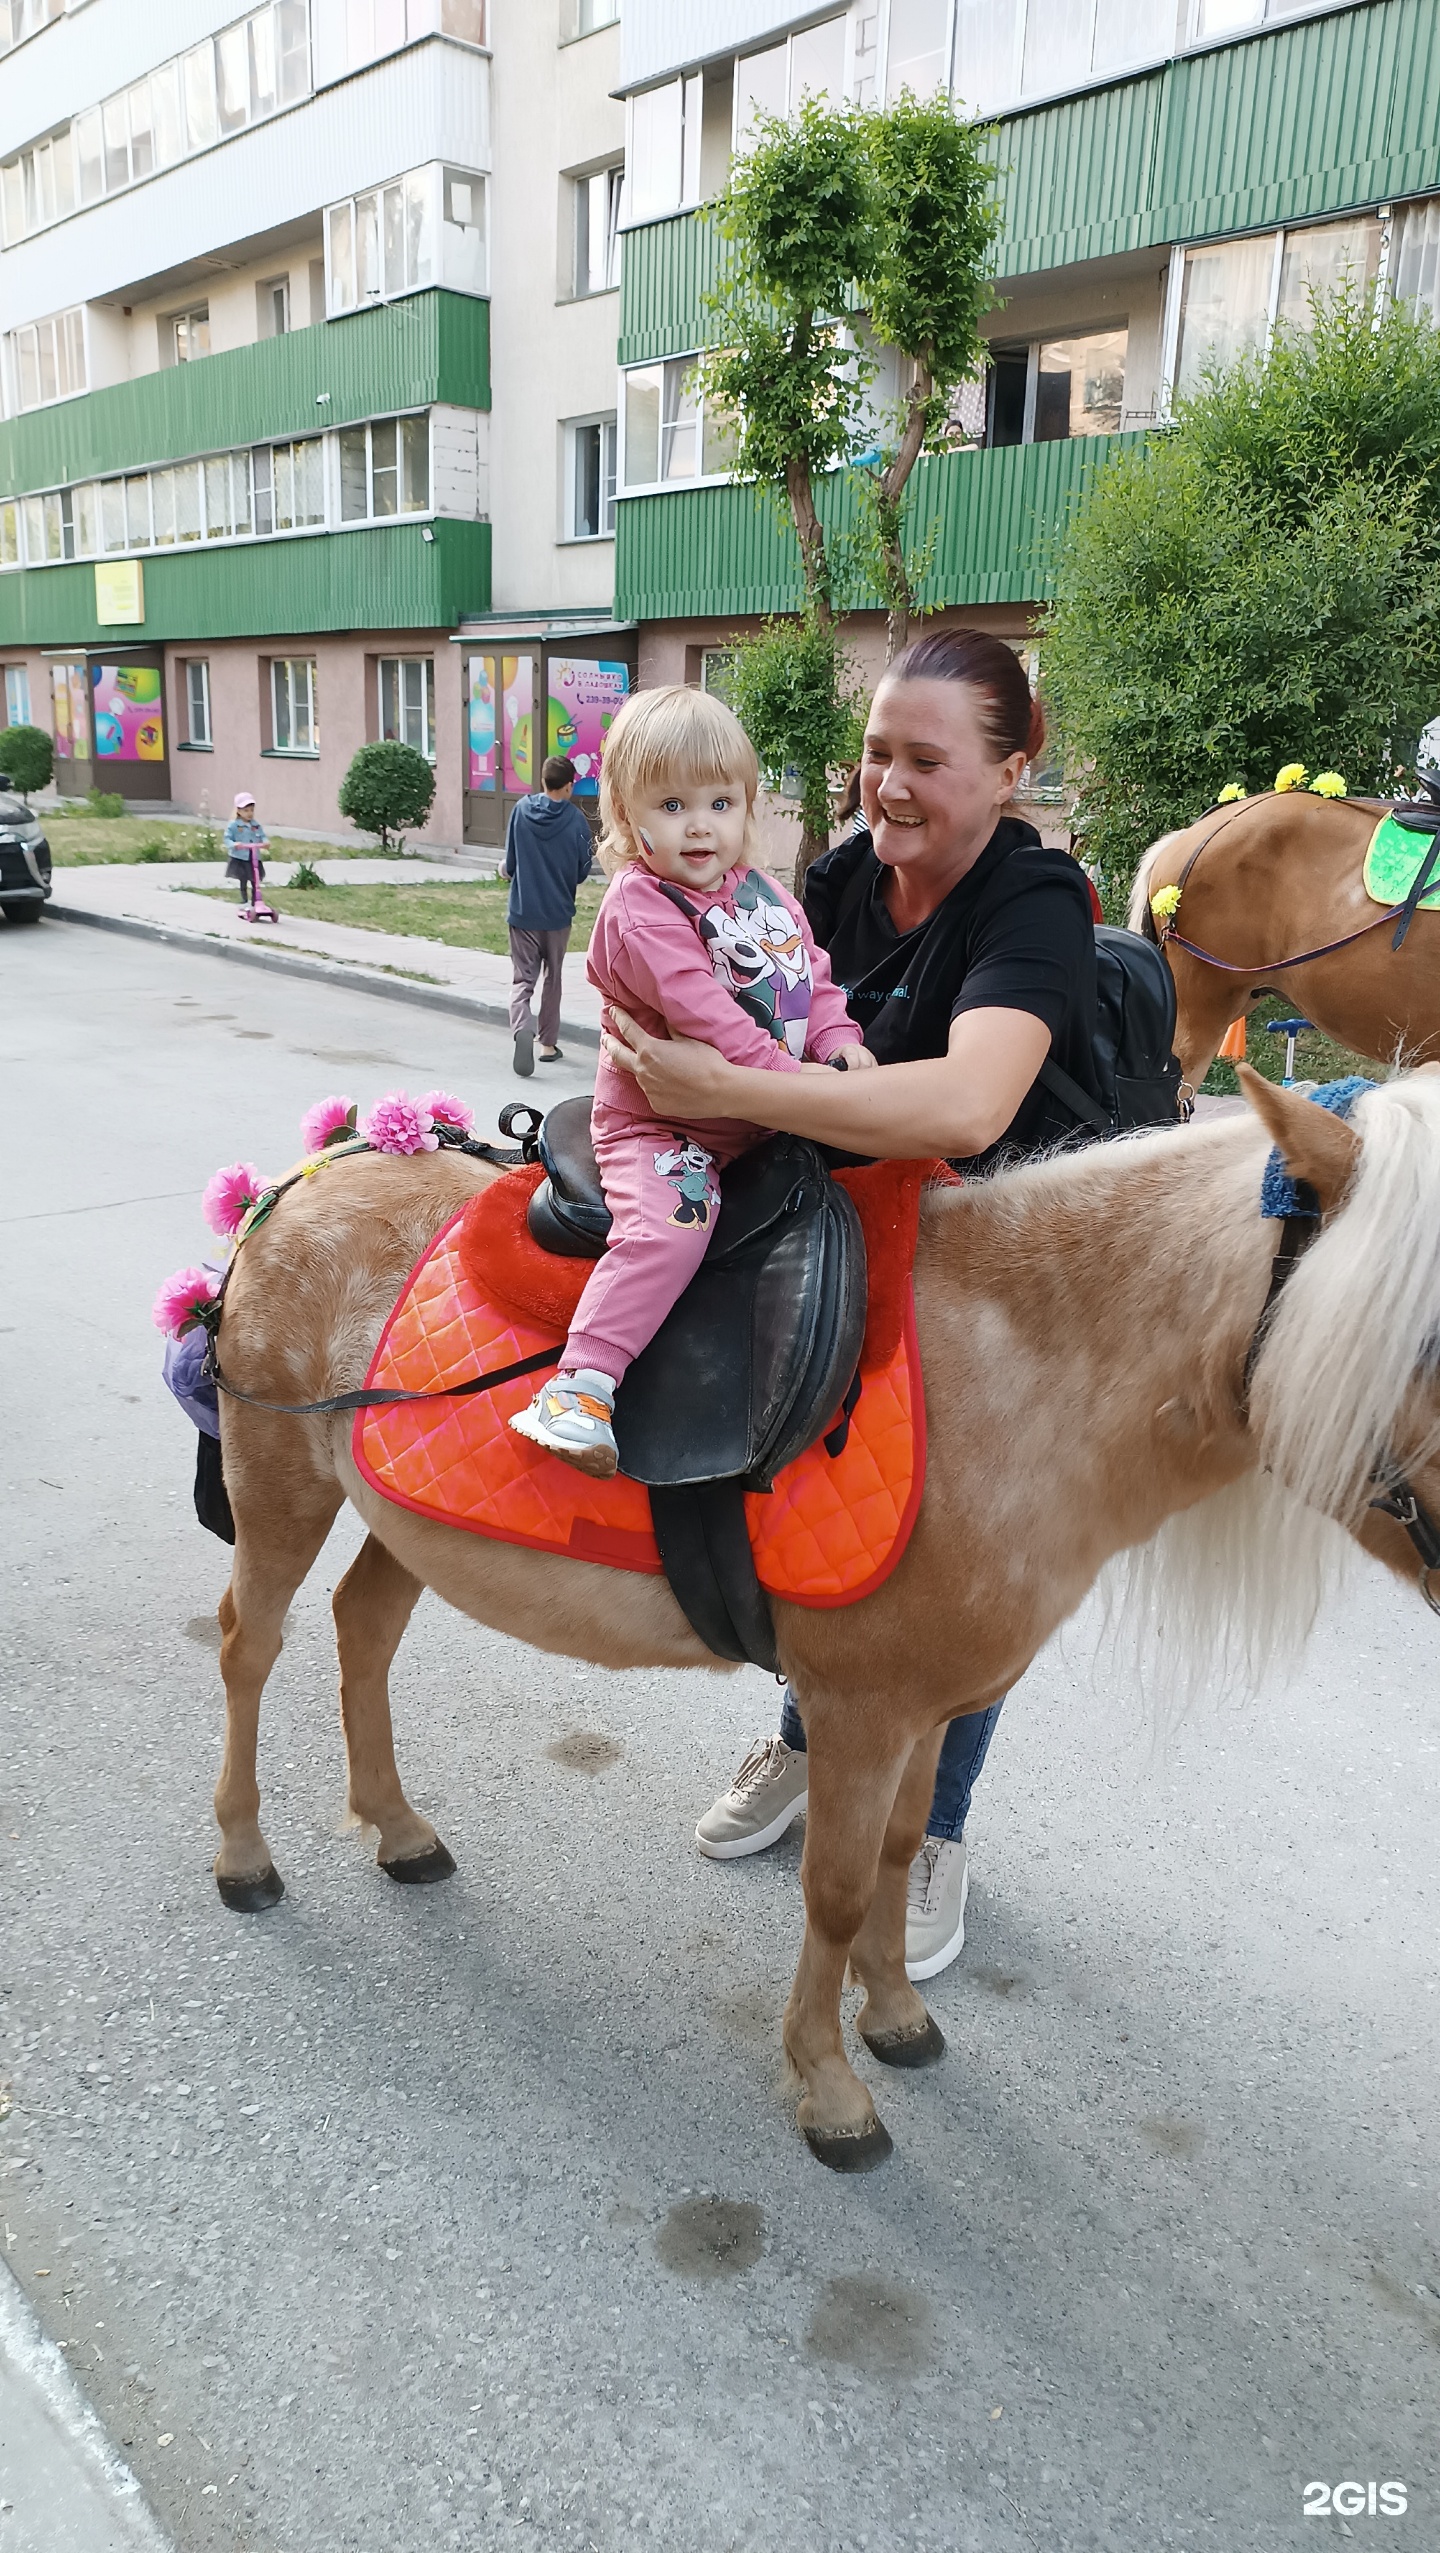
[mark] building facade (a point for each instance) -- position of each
(307, 340)
(1175, 178)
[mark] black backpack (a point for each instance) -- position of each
(1137, 1076)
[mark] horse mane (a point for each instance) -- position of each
(1138, 916)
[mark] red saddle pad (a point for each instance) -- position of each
(829, 1532)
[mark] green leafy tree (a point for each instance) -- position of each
(926, 293)
(387, 788)
(790, 686)
(1259, 585)
(27, 754)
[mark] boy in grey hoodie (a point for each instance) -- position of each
(547, 856)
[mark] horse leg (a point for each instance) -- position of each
(852, 1793)
(1209, 1002)
(272, 1559)
(372, 1605)
(894, 2023)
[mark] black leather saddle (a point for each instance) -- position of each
(757, 1359)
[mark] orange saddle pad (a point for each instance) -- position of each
(828, 1533)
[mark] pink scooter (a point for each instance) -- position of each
(257, 910)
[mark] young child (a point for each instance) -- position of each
(689, 937)
(243, 836)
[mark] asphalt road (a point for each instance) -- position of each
(399, 2220)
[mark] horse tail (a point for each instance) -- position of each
(1138, 916)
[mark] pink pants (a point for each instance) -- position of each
(663, 1192)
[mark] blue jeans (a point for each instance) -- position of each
(967, 1743)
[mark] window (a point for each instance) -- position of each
(384, 469)
(233, 79)
(9, 534)
(994, 54)
(663, 157)
(597, 219)
(669, 435)
(45, 361)
(590, 479)
(382, 244)
(272, 306)
(586, 17)
(186, 335)
(19, 18)
(293, 724)
(1415, 256)
(407, 702)
(1226, 297)
(811, 64)
(352, 33)
(1056, 388)
(197, 702)
(17, 696)
(462, 231)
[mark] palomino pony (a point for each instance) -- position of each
(1085, 1327)
(1279, 877)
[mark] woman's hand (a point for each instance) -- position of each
(680, 1076)
(852, 1059)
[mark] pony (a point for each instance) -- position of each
(1087, 1326)
(1277, 902)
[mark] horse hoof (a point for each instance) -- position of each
(418, 1870)
(925, 2046)
(851, 2150)
(251, 1896)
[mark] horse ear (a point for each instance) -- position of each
(1314, 1146)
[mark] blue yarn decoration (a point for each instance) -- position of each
(1279, 1194)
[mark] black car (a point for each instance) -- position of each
(24, 859)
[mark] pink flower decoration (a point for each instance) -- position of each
(229, 1197)
(181, 1300)
(449, 1112)
(328, 1122)
(397, 1123)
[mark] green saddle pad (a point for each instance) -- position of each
(1392, 865)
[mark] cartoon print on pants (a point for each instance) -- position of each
(691, 1173)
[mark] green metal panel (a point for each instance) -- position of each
(376, 579)
(667, 270)
(725, 551)
(405, 354)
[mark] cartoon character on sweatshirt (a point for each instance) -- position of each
(758, 953)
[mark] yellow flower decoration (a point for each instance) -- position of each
(1291, 775)
(1328, 784)
(1165, 903)
(1233, 789)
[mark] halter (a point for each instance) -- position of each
(1396, 1497)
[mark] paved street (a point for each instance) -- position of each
(409, 2219)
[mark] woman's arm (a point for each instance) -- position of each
(956, 1105)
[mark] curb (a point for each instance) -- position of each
(69, 2484)
(324, 970)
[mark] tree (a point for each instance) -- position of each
(28, 757)
(387, 787)
(788, 686)
(1258, 585)
(927, 293)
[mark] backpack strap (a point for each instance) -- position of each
(1067, 1090)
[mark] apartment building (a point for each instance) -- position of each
(307, 351)
(1175, 177)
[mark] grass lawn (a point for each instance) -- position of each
(86, 841)
(469, 916)
(1317, 1058)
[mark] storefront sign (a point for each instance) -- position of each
(71, 700)
(119, 592)
(480, 698)
(517, 727)
(586, 698)
(129, 719)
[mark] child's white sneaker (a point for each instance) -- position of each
(571, 1417)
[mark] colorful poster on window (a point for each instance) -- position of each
(72, 713)
(517, 724)
(129, 719)
(585, 700)
(480, 693)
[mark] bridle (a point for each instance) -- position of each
(1416, 817)
(1395, 1495)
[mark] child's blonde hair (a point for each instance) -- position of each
(660, 737)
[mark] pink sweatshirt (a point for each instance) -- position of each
(744, 975)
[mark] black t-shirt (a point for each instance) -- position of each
(1016, 934)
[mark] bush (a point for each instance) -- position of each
(789, 686)
(1260, 585)
(105, 802)
(305, 874)
(28, 756)
(386, 788)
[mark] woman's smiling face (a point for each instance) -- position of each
(929, 780)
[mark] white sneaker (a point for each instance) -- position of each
(767, 1795)
(935, 1906)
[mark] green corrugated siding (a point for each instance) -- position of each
(724, 551)
(403, 355)
(381, 579)
(1300, 122)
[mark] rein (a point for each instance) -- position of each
(1395, 1496)
(1401, 914)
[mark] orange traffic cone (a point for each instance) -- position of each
(1232, 1044)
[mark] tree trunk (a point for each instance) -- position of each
(809, 532)
(889, 499)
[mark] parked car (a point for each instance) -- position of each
(24, 859)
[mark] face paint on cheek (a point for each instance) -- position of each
(645, 842)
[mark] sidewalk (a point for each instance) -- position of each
(63, 2488)
(159, 902)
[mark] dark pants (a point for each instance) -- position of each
(967, 1743)
(530, 951)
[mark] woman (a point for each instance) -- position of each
(966, 952)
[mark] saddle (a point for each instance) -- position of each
(759, 1356)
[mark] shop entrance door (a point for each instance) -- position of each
(503, 746)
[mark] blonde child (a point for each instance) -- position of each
(692, 939)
